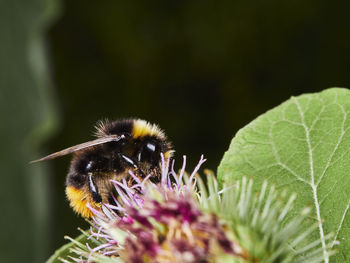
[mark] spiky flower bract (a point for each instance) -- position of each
(183, 219)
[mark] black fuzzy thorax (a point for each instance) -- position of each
(118, 127)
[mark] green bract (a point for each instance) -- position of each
(303, 144)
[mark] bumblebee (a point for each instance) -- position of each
(121, 146)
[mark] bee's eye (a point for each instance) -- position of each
(150, 152)
(151, 147)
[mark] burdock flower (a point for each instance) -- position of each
(163, 223)
(181, 219)
(172, 228)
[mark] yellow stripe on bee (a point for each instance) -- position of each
(78, 200)
(143, 128)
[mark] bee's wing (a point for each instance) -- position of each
(109, 138)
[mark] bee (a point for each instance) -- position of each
(120, 147)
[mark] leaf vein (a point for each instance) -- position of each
(313, 185)
(341, 223)
(343, 131)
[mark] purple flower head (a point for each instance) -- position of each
(178, 207)
(179, 231)
(163, 222)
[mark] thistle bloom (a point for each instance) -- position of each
(162, 223)
(183, 220)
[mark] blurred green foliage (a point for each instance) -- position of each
(27, 118)
(201, 69)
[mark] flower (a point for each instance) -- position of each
(173, 229)
(164, 222)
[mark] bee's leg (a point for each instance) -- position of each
(128, 161)
(133, 164)
(157, 176)
(153, 179)
(94, 191)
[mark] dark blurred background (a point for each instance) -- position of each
(200, 69)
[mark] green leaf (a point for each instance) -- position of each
(303, 144)
(64, 251)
